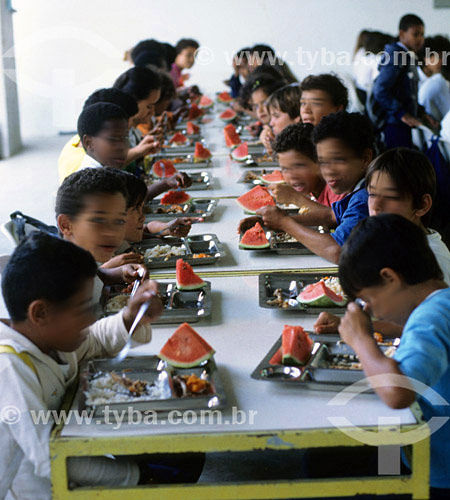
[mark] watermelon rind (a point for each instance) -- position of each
(261, 178)
(236, 156)
(228, 118)
(179, 364)
(193, 276)
(322, 300)
(292, 334)
(167, 167)
(246, 208)
(254, 247)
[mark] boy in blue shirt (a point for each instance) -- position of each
(388, 264)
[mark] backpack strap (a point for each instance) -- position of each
(6, 349)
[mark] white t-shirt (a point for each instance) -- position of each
(434, 96)
(441, 253)
(89, 162)
(365, 69)
(445, 127)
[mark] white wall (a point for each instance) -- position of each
(65, 48)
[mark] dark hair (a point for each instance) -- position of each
(261, 81)
(170, 53)
(139, 82)
(287, 100)
(361, 40)
(296, 137)
(114, 96)
(167, 87)
(408, 21)
(149, 52)
(267, 58)
(441, 45)
(387, 240)
(376, 41)
(44, 267)
(93, 118)
(411, 171)
(354, 129)
(186, 43)
(330, 84)
(71, 194)
(243, 55)
(136, 189)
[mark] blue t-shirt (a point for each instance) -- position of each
(424, 355)
(348, 212)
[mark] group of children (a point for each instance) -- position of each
(376, 208)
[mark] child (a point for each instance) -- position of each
(395, 88)
(284, 109)
(345, 145)
(387, 263)
(50, 311)
(184, 59)
(321, 95)
(240, 71)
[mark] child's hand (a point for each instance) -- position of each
(122, 259)
(432, 122)
(356, 324)
(248, 223)
(180, 227)
(180, 179)
(272, 216)
(284, 193)
(410, 120)
(266, 137)
(148, 146)
(148, 291)
(326, 323)
(130, 272)
(254, 128)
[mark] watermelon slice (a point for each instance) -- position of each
(254, 238)
(163, 168)
(256, 198)
(224, 97)
(201, 153)
(275, 177)
(240, 153)
(185, 348)
(205, 102)
(175, 198)
(231, 136)
(178, 139)
(277, 358)
(194, 112)
(186, 278)
(296, 346)
(321, 295)
(192, 128)
(228, 115)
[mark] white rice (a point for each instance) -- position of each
(117, 303)
(334, 284)
(164, 251)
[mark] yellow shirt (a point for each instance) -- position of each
(70, 158)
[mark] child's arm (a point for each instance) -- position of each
(178, 180)
(126, 273)
(148, 145)
(356, 330)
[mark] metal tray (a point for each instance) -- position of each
(255, 182)
(269, 282)
(187, 160)
(151, 369)
(208, 244)
(196, 207)
(179, 305)
(183, 149)
(200, 181)
(258, 160)
(279, 247)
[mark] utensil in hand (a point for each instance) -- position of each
(137, 281)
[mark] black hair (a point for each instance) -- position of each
(354, 129)
(387, 240)
(439, 44)
(264, 81)
(149, 52)
(139, 82)
(167, 87)
(170, 53)
(408, 21)
(330, 84)
(44, 267)
(266, 57)
(114, 96)
(297, 137)
(412, 173)
(361, 40)
(186, 43)
(287, 100)
(71, 194)
(376, 41)
(243, 55)
(93, 118)
(136, 189)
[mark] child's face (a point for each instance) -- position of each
(300, 172)
(146, 107)
(135, 223)
(413, 37)
(100, 227)
(280, 120)
(110, 147)
(244, 70)
(259, 98)
(162, 106)
(340, 166)
(185, 59)
(315, 104)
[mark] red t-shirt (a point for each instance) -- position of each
(327, 197)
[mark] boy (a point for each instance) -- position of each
(184, 59)
(321, 95)
(395, 88)
(387, 263)
(344, 144)
(50, 310)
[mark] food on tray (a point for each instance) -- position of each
(256, 198)
(163, 168)
(343, 362)
(282, 237)
(185, 348)
(201, 153)
(181, 159)
(192, 128)
(194, 112)
(186, 278)
(265, 158)
(224, 97)
(232, 138)
(254, 238)
(275, 177)
(117, 303)
(327, 292)
(163, 252)
(228, 115)
(303, 210)
(114, 388)
(296, 347)
(175, 198)
(199, 255)
(191, 385)
(278, 299)
(169, 209)
(178, 139)
(205, 102)
(240, 153)
(250, 176)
